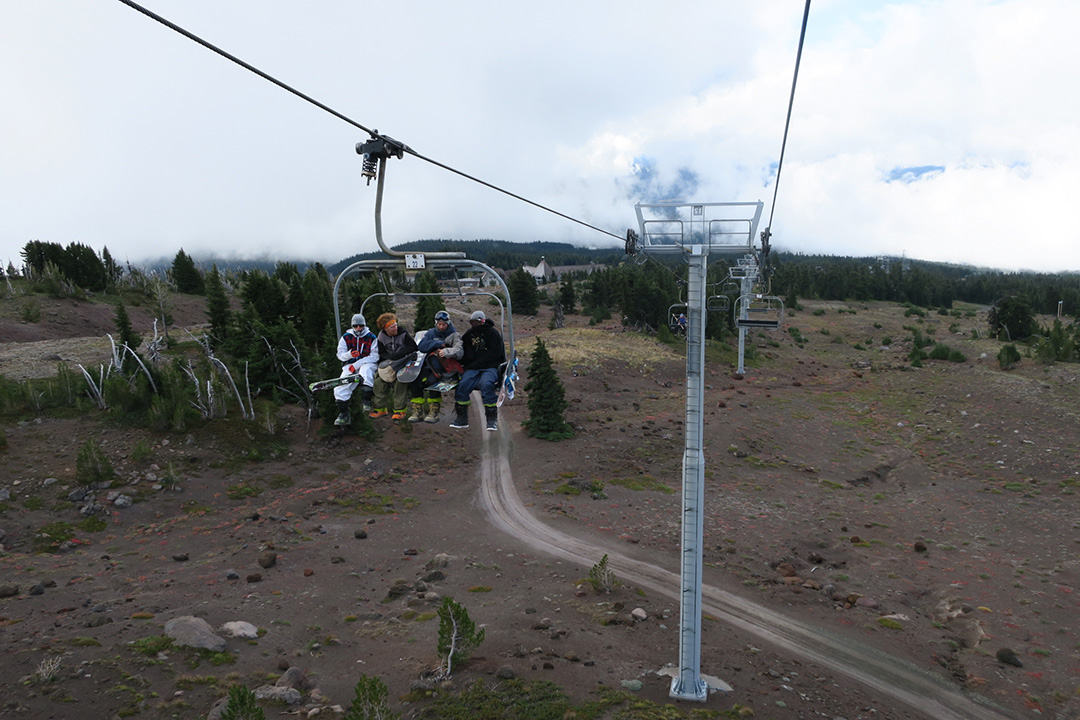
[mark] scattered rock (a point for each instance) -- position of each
(8, 590)
(638, 614)
(180, 557)
(505, 672)
(239, 629)
(254, 578)
(294, 678)
(308, 572)
(273, 693)
(268, 560)
(631, 685)
(194, 632)
(919, 547)
(360, 534)
(1008, 656)
(36, 589)
(786, 569)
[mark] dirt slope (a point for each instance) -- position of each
(940, 499)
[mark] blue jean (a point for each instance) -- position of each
(487, 380)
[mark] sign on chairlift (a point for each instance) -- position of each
(414, 261)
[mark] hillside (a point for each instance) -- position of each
(923, 514)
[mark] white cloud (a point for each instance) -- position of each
(120, 132)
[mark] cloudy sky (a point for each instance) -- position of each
(941, 129)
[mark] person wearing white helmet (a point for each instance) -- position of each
(360, 353)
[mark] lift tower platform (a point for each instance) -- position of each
(694, 232)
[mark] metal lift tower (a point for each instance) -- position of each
(694, 231)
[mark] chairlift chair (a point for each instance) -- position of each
(757, 311)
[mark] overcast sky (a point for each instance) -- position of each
(941, 129)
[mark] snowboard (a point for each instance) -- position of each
(506, 391)
(444, 386)
(411, 370)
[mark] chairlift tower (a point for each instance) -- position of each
(694, 231)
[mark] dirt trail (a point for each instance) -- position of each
(915, 688)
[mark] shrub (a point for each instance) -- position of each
(940, 352)
(1007, 357)
(92, 465)
(30, 311)
(242, 705)
(370, 701)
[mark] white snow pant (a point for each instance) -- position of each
(366, 371)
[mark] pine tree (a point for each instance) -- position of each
(187, 277)
(217, 307)
(523, 296)
(567, 296)
(457, 633)
(126, 333)
(547, 399)
(316, 306)
(426, 305)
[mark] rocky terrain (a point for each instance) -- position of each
(924, 514)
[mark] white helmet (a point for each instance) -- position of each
(358, 319)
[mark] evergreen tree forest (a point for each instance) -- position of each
(273, 326)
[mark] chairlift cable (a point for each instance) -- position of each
(787, 124)
(247, 66)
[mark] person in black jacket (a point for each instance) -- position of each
(484, 353)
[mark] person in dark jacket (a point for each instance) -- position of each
(442, 344)
(484, 354)
(396, 346)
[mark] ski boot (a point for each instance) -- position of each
(344, 416)
(491, 413)
(433, 409)
(462, 418)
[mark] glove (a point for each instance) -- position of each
(356, 353)
(352, 369)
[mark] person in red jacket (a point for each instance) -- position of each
(358, 350)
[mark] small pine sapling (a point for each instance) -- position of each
(602, 578)
(370, 701)
(457, 635)
(92, 465)
(242, 705)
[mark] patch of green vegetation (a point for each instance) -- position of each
(370, 502)
(187, 682)
(242, 490)
(541, 700)
(280, 481)
(890, 624)
(84, 642)
(93, 523)
(151, 646)
(1014, 486)
(49, 538)
(141, 451)
(644, 482)
(33, 503)
(426, 616)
